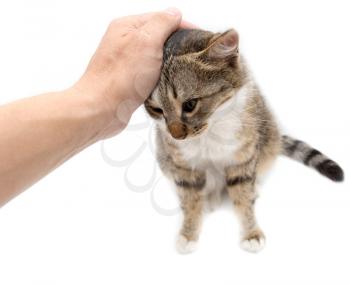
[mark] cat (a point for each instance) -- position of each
(215, 133)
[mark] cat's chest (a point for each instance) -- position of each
(217, 145)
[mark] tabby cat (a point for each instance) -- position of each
(215, 132)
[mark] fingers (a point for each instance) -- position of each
(143, 18)
(160, 25)
(187, 25)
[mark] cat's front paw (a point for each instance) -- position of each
(185, 246)
(254, 241)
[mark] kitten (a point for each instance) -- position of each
(215, 132)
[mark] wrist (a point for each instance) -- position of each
(104, 114)
(91, 113)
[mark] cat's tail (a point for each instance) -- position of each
(304, 153)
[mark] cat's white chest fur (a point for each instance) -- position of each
(218, 143)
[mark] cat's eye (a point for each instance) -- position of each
(157, 110)
(189, 105)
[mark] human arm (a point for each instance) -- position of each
(39, 133)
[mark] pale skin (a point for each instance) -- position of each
(40, 133)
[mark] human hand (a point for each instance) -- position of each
(126, 66)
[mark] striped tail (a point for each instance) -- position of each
(302, 152)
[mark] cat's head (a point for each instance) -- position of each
(201, 71)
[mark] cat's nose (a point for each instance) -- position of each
(177, 130)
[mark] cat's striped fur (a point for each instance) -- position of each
(306, 154)
(215, 132)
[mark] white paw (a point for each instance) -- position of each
(185, 246)
(253, 244)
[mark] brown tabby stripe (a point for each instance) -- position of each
(187, 184)
(239, 180)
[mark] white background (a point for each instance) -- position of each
(83, 225)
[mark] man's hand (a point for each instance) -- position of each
(126, 66)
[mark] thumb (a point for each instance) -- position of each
(162, 24)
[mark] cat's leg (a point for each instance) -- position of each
(241, 190)
(213, 200)
(191, 200)
(213, 189)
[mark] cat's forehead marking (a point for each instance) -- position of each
(169, 102)
(174, 92)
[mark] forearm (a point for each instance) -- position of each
(40, 133)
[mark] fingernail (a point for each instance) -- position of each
(173, 11)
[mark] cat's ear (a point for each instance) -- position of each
(224, 47)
